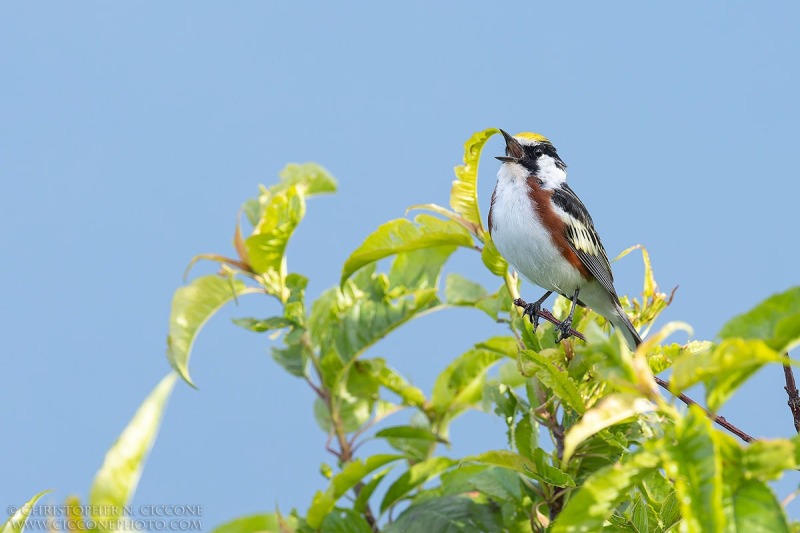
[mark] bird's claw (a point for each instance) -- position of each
(564, 330)
(532, 310)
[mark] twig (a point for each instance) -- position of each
(794, 395)
(716, 418)
(791, 389)
(547, 315)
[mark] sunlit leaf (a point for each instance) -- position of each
(419, 269)
(756, 510)
(266, 247)
(409, 432)
(258, 523)
(350, 475)
(16, 522)
(439, 210)
(536, 467)
(491, 257)
(292, 357)
(351, 319)
(312, 178)
(415, 476)
(526, 436)
(265, 324)
(501, 484)
(342, 520)
(776, 321)
(611, 410)
(723, 368)
(402, 235)
(638, 515)
(694, 463)
(192, 306)
(115, 482)
(391, 380)
(768, 459)
(553, 377)
(458, 290)
(353, 412)
(362, 500)
(460, 385)
(670, 511)
(447, 514)
(661, 357)
(600, 494)
(464, 193)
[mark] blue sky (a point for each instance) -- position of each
(130, 133)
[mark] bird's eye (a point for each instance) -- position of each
(538, 152)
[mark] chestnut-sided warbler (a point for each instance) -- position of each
(544, 231)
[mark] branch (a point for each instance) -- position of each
(794, 396)
(716, 418)
(791, 389)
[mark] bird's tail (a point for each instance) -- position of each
(622, 323)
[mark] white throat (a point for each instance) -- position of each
(550, 175)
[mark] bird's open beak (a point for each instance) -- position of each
(513, 149)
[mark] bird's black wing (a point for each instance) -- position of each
(582, 237)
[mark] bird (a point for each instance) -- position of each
(541, 227)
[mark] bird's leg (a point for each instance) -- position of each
(562, 330)
(532, 309)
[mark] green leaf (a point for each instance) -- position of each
(415, 442)
(537, 467)
(16, 522)
(345, 521)
(368, 489)
(600, 494)
(526, 436)
(266, 324)
(352, 411)
(312, 178)
(756, 510)
(723, 369)
(464, 193)
(402, 235)
(257, 523)
(293, 358)
(447, 514)
(350, 475)
(391, 380)
(492, 259)
(458, 290)
(352, 319)
(409, 432)
(776, 321)
(461, 383)
(768, 459)
(419, 269)
(266, 247)
(639, 517)
(694, 463)
(611, 410)
(115, 482)
(415, 476)
(670, 511)
(553, 377)
(192, 306)
(500, 484)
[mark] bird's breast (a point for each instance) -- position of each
(526, 243)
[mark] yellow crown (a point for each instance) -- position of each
(527, 135)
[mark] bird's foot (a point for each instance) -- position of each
(564, 330)
(532, 310)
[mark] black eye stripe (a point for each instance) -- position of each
(540, 149)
